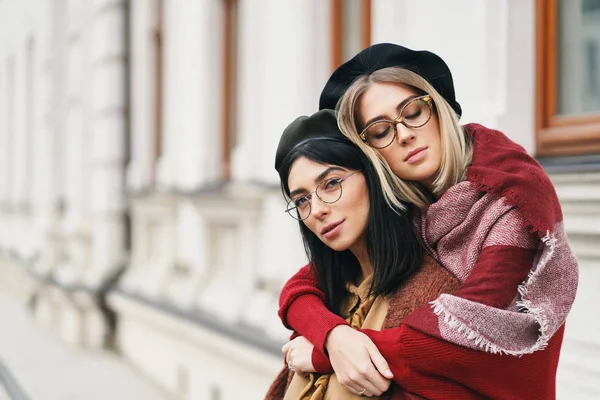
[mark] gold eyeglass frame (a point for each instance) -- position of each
(398, 120)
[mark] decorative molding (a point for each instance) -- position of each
(230, 187)
(239, 332)
(571, 164)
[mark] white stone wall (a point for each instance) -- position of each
(489, 47)
(203, 247)
(64, 70)
(23, 102)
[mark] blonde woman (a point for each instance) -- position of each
(483, 208)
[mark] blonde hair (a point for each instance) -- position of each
(457, 148)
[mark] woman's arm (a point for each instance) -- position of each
(424, 364)
(494, 281)
(302, 308)
(437, 369)
(300, 357)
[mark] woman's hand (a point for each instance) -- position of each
(298, 355)
(358, 364)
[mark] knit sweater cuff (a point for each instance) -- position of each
(387, 341)
(321, 363)
(308, 316)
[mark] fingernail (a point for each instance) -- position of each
(389, 373)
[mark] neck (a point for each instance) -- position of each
(362, 255)
(427, 187)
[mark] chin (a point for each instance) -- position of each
(338, 247)
(337, 244)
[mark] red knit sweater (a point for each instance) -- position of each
(427, 366)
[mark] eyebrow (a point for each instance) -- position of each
(318, 179)
(398, 109)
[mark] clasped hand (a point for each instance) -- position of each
(358, 364)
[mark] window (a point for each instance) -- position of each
(350, 29)
(229, 83)
(568, 77)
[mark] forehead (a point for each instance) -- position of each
(382, 99)
(304, 172)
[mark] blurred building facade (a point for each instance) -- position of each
(139, 207)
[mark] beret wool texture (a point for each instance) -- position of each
(382, 55)
(322, 124)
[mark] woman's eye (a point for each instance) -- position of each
(302, 201)
(413, 115)
(332, 184)
(381, 133)
(413, 109)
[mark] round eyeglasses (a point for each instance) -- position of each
(414, 114)
(328, 191)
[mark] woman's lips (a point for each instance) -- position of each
(416, 155)
(333, 230)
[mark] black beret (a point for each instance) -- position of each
(321, 124)
(383, 55)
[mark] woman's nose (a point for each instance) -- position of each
(319, 208)
(405, 135)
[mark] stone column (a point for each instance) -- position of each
(191, 112)
(76, 148)
(517, 119)
(5, 129)
(298, 61)
(108, 138)
(45, 192)
(50, 302)
(43, 182)
(72, 242)
(192, 135)
(9, 142)
(288, 70)
(143, 75)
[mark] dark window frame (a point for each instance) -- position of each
(557, 135)
(229, 97)
(337, 29)
(158, 41)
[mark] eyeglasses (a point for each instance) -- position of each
(328, 191)
(414, 114)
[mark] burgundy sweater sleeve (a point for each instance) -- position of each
(498, 270)
(494, 281)
(301, 283)
(302, 309)
(436, 369)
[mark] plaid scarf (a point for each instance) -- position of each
(506, 200)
